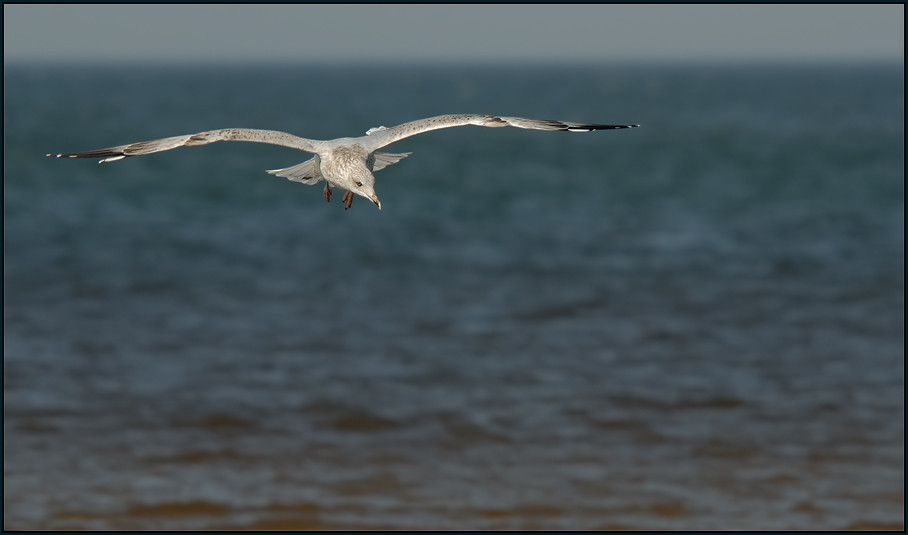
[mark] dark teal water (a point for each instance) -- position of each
(697, 324)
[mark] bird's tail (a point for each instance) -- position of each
(306, 172)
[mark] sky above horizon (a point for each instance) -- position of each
(344, 33)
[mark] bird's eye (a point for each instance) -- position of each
(358, 184)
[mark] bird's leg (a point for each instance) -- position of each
(328, 192)
(348, 199)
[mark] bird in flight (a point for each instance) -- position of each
(347, 162)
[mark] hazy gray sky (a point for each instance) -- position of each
(440, 33)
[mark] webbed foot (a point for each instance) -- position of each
(328, 193)
(348, 199)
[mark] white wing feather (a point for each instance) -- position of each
(271, 137)
(381, 136)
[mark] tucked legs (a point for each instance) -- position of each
(328, 192)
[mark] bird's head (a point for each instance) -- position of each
(363, 183)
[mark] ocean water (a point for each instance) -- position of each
(697, 324)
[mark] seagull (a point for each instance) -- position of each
(345, 163)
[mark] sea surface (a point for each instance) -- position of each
(696, 324)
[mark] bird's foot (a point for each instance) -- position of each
(328, 193)
(348, 199)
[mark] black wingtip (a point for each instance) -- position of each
(106, 155)
(593, 127)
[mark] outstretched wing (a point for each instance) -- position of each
(380, 136)
(203, 138)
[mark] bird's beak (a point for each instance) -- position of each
(375, 201)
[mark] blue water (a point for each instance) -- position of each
(697, 324)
